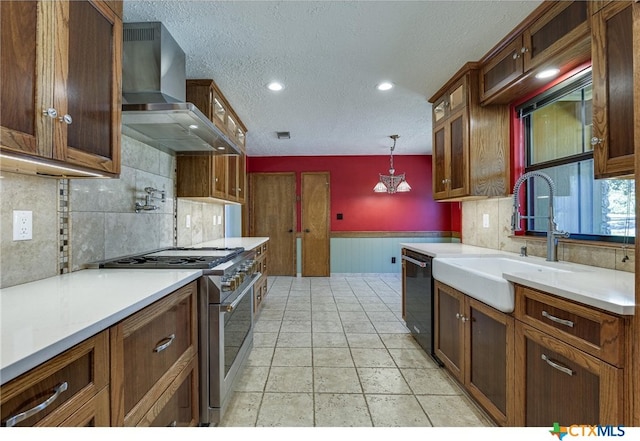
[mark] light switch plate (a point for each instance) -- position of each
(187, 221)
(22, 225)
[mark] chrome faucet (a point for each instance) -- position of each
(552, 228)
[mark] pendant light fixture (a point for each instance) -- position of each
(392, 183)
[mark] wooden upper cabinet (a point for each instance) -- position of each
(613, 30)
(55, 108)
(222, 177)
(208, 98)
(554, 35)
(465, 133)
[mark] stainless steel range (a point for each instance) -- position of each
(225, 314)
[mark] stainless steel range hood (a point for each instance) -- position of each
(154, 108)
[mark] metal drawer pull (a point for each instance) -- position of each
(555, 365)
(568, 323)
(12, 421)
(414, 261)
(166, 344)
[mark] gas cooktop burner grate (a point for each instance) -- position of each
(203, 258)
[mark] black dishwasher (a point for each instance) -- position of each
(418, 285)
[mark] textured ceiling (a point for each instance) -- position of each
(330, 55)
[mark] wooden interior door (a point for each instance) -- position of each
(272, 214)
(315, 224)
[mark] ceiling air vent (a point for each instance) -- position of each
(283, 135)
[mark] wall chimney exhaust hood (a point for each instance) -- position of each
(154, 108)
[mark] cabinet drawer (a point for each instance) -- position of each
(152, 347)
(178, 405)
(72, 377)
(593, 331)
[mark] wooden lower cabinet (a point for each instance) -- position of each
(143, 371)
(475, 343)
(71, 389)
(152, 352)
(568, 353)
(559, 383)
(260, 288)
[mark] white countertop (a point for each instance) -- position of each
(607, 289)
(41, 319)
(247, 243)
(448, 249)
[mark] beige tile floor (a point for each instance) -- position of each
(334, 352)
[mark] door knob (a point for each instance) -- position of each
(307, 230)
(290, 230)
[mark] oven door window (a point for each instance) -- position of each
(237, 327)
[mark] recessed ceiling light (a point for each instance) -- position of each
(548, 73)
(275, 86)
(384, 86)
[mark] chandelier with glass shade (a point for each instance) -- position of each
(392, 183)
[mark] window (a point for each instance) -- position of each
(557, 138)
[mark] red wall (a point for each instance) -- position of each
(352, 180)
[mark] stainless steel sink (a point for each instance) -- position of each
(482, 277)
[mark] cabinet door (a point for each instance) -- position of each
(557, 376)
(232, 177)
(439, 163)
(613, 106)
(561, 26)
(449, 328)
(458, 180)
(220, 165)
(490, 367)
(501, 69)
(27, 77)
(241, 193)
(88, 93)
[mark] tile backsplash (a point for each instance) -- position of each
(78, 221)
(497, 235)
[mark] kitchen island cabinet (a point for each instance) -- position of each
(61, 113)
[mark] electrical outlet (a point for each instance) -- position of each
(22, 225)
(393, 260)
(485, 220)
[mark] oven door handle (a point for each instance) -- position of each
(229, 307)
